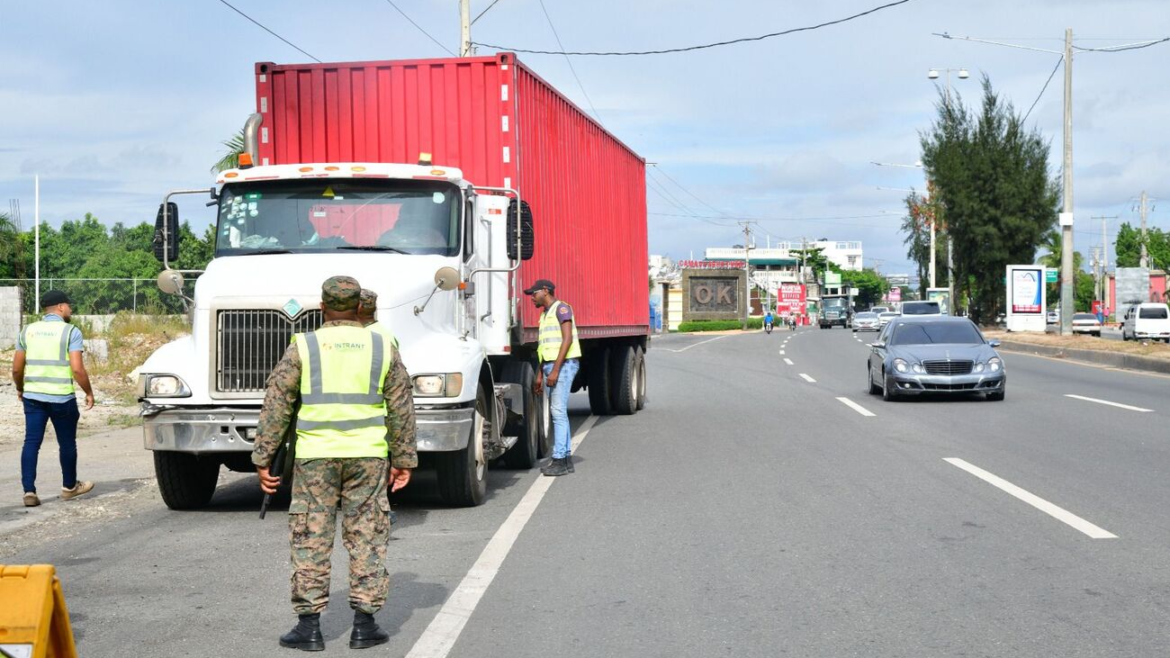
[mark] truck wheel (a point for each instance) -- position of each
(525, 453)
(544, 426)
(185, 481)
(623, 368)
(462, 474)
(641, 378)
(599, 383)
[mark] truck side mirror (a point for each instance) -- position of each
(527, 238)
(168, 240)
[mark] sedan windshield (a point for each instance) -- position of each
(936, 333)
(312, 216)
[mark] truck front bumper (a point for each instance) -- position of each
(225, 429)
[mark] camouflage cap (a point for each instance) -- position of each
(340, 293)
(369, 299)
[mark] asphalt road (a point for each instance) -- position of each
(747, 511)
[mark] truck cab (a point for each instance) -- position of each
(435, 249)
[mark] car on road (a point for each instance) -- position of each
(886, 317)
(1053, 317)
(921, 308)
(1148, 321)
(1086, 323)
(880, 309)
(867, 321)
(934, 355)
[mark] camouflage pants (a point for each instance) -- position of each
(358, 488)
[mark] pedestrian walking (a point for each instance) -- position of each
(559, 351)
(349, 395)
(47, 363)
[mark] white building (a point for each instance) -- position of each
(845, 255)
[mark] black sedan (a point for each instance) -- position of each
(934, 354)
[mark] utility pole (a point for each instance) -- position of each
(747, 273)
(1104, 257)
(465, 28)
(1145, 262)
(1066, 216)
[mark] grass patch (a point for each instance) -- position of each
(719, 325)
(123, 420)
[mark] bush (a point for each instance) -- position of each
(719, 325)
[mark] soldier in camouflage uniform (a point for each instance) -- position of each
(321, 486)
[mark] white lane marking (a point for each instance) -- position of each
(1112, 404)
(702, 342)
(440, 636)
(856, 407)
(807, 378)
(1056, 512)
(787, 361)
(781, 352)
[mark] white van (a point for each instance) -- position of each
(921, 308)
(1149, 321)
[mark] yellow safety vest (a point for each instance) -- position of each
(342, 413)
(46, 357)
(550, 336)
(380, 328)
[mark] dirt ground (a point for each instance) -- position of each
(130, 341)
(1155, 350)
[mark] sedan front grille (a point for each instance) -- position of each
(250, 342)
(949, 387)
(948, 367)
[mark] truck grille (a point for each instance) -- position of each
(947, 367)
(250, 342)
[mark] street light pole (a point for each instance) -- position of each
(933, 75)
(1066, 217)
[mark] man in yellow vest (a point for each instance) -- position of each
(355, 435)
(47, 361)
(559, 351)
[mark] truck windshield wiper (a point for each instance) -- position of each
(263, 252)
(373, 247)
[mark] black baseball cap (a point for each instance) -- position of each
(541, 284)
(54, 297)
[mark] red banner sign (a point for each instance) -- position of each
(712, 264)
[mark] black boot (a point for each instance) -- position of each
(306, 635)
(366, 632)
(556, 467)
(569, 463)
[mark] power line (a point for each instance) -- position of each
(437, 43)
(569, 61)
(700, 47)
(261, 26)
(691, 194)
(1043, 89)
(489, 7)
(1124, 47)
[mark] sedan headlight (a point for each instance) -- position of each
(979, 367)
(447, 385)
(900, 365)
(162, 386)
(995, 364)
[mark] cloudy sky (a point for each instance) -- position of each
(113, 103)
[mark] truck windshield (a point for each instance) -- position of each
(835, 302)
(311, 216)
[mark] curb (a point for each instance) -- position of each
(1097, 357)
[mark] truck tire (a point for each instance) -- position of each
(526, 452)
(623, 368)
(599, 383)
(462, 474)
(185, 481)
(544, 425)
(641, 378)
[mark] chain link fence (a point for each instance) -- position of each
(104, 296)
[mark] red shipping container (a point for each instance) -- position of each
(503, 126)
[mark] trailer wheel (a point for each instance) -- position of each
(526, 452)
(641, 378)
(462, 474)
(623, 368)
(185, 481)
(599, 383)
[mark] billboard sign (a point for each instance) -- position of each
(1026, 297)
(894, 295)
(942, 296)
(790, 299)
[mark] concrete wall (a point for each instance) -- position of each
(710, 294)
(9, 316)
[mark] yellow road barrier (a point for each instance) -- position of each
(34, 622)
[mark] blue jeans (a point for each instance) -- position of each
(558, 403)
(37, 415)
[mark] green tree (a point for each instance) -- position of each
(996, 195)
(1129, 247)
(870, 286)
(231, 158)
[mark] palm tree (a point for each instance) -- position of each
(11, 248)
(230, 159)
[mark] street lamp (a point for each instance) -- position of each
(963, 75)
(933, 74)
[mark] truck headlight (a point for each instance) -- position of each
(162, 386)
(447, 385)
(900, 365)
